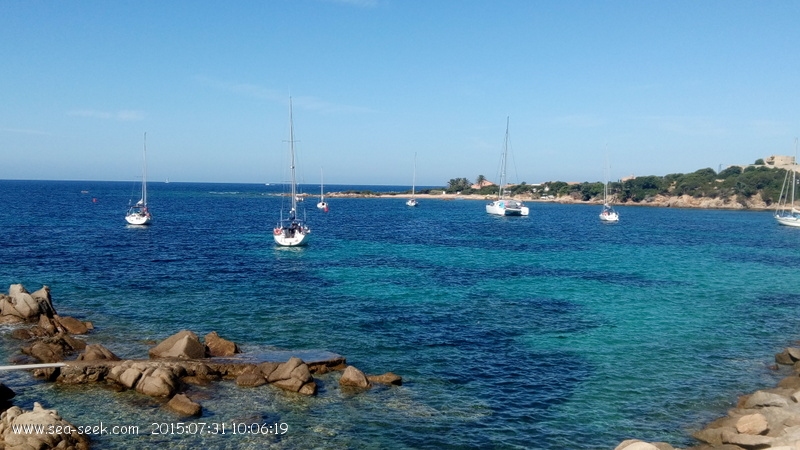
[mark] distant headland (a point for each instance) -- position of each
(756, 186)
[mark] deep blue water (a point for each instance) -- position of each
(549, 331)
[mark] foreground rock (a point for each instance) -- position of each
(15, 417)
(185, 406)
(183, 344)
(177, 361)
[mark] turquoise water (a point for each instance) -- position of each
(548, 331)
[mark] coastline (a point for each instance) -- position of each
(683, 201)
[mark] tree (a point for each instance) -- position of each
(759, 162)
(480, 180)
(457, 185)
(731, 171)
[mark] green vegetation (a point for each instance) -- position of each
(728, 184)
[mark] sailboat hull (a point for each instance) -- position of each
(138, 218)
(286, 237)
(507, 208)
(609, 217)
(789, 221)
(411, 202)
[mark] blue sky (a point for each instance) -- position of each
(658, 86)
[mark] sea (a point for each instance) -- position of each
(551, 331)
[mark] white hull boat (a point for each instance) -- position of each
(786, 213)
(504, 206)
(292, 231)
(138, 214)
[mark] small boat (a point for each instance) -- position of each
(323, 205)
(608, 214)
(138, 214)
(505, 206)
(786, 213)
(413, 201)
(291, 231)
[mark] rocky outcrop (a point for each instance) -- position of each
(184, 345)
(217, 346)
(388, 378)
(765, 419)
(353, 377)
(183, 405)
(54, 348)
(48, 419)
(19, 303)
(177, 361)
(96, 352)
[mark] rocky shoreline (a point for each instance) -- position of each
(765, 419)
(174, 364)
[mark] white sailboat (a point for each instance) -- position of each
(323, 205)
(505, 206)
(292, 231)
(413, 201)
(786, 213)
(138, 214)
(608, 214)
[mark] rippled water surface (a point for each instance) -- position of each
(549, 331)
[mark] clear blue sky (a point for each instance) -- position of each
(664, 86)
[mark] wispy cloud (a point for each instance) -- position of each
(580, 121)
(25, 131)
(245, 89)
(770, 128)
(121, 115)
(279, 96)
(359, 3)
(688, 125)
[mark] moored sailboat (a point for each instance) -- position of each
(786, 213)
(505, 206)
(608, 214)
(323, 205)
(291, 231)
(413, 201)
(138, 214)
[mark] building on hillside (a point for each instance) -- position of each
(484, 183)
(779, 162)
(773, 162)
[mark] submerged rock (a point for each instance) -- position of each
(387, 378)
(182, 404)
(354, 378)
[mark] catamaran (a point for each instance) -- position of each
(138, 214)
(786, 213)
(291, 231)
(505, 206)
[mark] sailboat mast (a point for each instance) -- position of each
(144, 171)
(414, 178)
(794, 171)
(293, 212)
(505, 160)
